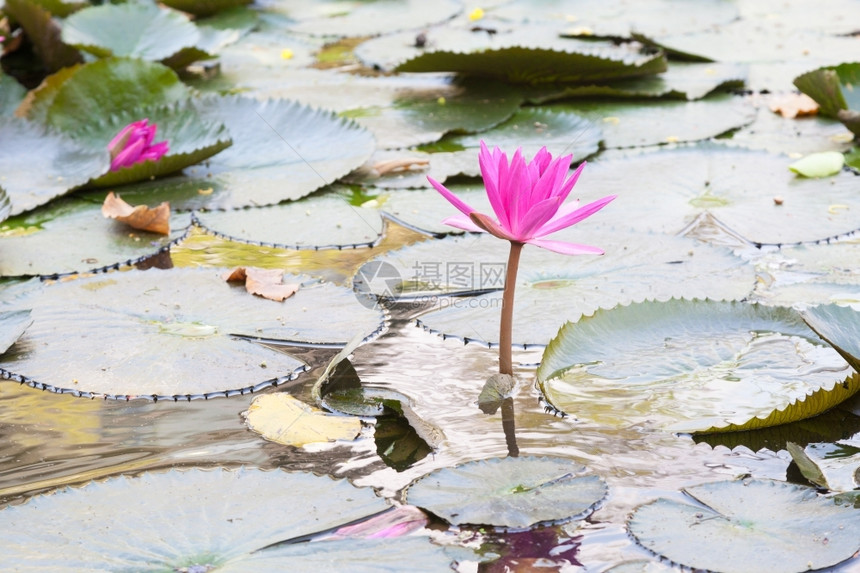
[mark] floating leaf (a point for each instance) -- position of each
(736, 186)
(509, 492)
(496, 389)
(660, 122)
(37, 243)
(833, 88)
(520, 54)
(749, 526)
(180, 332)
(264, 282)
(286, 420)
(137, 30)
(818, 165)
(233, 533)
(835, 467)
(807, 466)
(551, 287)
(12, 326)
(839, 326)
(693, 366)
(39, 164)
(156, 220)
(793, 105)
(11, 94)
(371, 19)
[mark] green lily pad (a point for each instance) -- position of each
(12, 326)
(562, 132)
(37, 242)
(618, 18)
(514, 493)
(829, 466)
(825, 164)
(209, 530)
(741, 189)
(38, 164)
(751, 526)
(840, 327)
(661, 122)
(338, 19)
(281, 150)
(11, 95)
(551, 287)
(812, 274)
(179, 332)
(519, 54)
(416, 118)
(837, 90)
(320, 222)
(137, 30)
(683, 80)
(693, 366)
(43, 33)
(205, 7)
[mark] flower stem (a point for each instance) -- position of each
(506, 326)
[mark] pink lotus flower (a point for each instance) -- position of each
(133, 144)
(528, 200)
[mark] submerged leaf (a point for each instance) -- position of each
(509, 492)
(286, 420)
(753, 526)
(693, 366)
(156, 220)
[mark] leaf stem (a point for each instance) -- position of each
(507, 322)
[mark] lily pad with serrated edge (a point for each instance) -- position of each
(39, 164)
(281, 150)
(138, 30)
(660, 122)
(693, 366)
(736, 186)
(36, 243)
(751, 526)
(12, 326)
(338, 19)
(178, 332)
(514, 493)
(518, 54)
(320, 222)
(552, 288)
(683, 80)
(422, 116)
(561, 132)
(839, 326)
(212, 525)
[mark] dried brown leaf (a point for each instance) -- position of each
(793, 105)
(267, 283)
(156, 220)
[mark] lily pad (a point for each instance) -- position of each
(286, 420)
(829, 466)
(741, 189)
(466, 106)
(693, 366)
(752, 526)
(840, 327)
(552, 288)
(837, 90)
(338, 19)
(38, 164)
(824, 164)
(11, 95)
(325, 221)
(179, 332)
(520, 54)
(36, 243)
(137, 30)
(514, 493)
(661, 122)
(205, 7)
(12, 326)
(281, 150)
(209, 530)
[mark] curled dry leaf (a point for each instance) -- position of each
(400, 164)
(267, 283)
(793, 105)
(141, 217)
